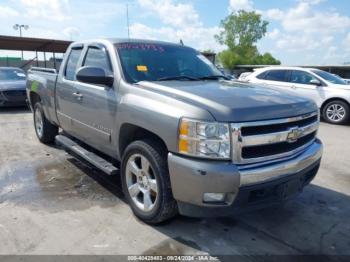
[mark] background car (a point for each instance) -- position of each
(12, 86)
(331, 93)
(243, 76)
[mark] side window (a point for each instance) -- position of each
(300, 77)
(72, 64)
(97, 57)
(276, 75)
(262, 75)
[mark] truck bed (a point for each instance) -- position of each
(43, 82)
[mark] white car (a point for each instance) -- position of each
(242, 77)
(331, 93)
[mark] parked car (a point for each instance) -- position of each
(331, 93)
(243, 76)
(12, 86)
(186, 140)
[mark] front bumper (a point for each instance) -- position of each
(13, 97)
(245, 187)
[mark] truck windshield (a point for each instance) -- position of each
(330, 77)
(162, 62)
(7, 74)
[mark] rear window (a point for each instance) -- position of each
(276, 75)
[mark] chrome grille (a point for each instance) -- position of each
(254, 142)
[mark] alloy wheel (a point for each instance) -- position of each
(336, 112)
(141, 182)
(39, 124)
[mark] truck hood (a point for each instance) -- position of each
(231, 101)
(12, 85)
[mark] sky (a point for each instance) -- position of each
(300, 32)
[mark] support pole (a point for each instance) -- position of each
(37, 58)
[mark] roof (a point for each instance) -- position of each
(33, 44)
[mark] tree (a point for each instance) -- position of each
(240, 33)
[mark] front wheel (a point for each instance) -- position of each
(336, 112)
(45, 131)
(146, 182)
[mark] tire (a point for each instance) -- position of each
(336, 112)
(45, 131)
(152, 200)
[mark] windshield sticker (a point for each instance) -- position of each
(145, 47)
(142, 68)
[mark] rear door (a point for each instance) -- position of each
(66, 90)
(275, 78)
(96, 108)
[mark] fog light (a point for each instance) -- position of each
(214, 197)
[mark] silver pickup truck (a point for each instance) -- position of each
(183, 138)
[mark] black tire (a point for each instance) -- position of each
(334, 103)
(165, 206)
(49, 131)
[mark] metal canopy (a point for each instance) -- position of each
(33, 44)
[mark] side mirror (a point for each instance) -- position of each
(315, 82)
(94, 75)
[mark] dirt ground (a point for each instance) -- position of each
(51, 203)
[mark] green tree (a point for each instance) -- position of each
(240, 33)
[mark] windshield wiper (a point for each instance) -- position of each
(191, 78)
(213, 77)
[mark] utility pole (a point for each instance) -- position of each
(19, 27)
(127, 20)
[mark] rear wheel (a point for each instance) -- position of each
(45, 131)
(336, 112)
(146, 182)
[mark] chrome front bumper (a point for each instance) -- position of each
(284, 168)
(191, 178)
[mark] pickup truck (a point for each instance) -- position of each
(183, 138)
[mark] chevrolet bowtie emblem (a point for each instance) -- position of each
(293, 135)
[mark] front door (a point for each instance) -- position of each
(301, 85)
(96, 112)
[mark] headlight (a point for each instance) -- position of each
(204, 139)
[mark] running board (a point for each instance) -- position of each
(90, 157)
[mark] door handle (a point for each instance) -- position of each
(294, 87)
(78, 95)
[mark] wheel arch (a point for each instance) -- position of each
(129, 133)
(333, 99)
(34, 98)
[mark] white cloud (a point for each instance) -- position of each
(305, 28)
(236, 5)
(46, 9)
(71, 32)
(273, 34)
(274, 14)
(172, 14)
(304, 18)
(6, 12)
(179, 21)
